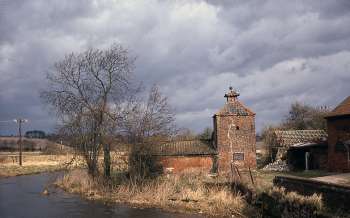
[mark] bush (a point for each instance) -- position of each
(142, 164)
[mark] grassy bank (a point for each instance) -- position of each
(193, 193)
(14, 170)
(32, 163)
(182, 193)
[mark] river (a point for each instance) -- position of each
(21, 197)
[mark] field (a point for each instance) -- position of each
(11, 144)
(33, 162)
(36, 162)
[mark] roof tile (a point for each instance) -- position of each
(180, 148)
(291, 137)
(342, 109)
(235, 108)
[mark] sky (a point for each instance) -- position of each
(273, 52)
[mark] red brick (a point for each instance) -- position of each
(183, 163)
(338, 131)
(234, 131)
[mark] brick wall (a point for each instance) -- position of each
(182, 163)
(238, 132)
(338, 131)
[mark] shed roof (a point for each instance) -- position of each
(292, 137)
(180, 148)
(342, 109)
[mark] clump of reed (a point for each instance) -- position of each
(291, 204)
(293, 198)
(185, 192)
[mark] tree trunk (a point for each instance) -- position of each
(107, 160)
(92, 168)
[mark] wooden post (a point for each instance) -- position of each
(307, 155)
(251, 176)
(20, 140)
(20, 121)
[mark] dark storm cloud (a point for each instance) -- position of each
(274, 52)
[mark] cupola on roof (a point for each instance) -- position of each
(231, 95)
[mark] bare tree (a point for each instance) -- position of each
(304, 116)
(84, 89)
(206, 134)
(143, 120)
(147, 123)
(185, 134)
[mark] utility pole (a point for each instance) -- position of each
(20, 121)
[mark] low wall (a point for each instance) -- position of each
(334, 196)
(182, 163)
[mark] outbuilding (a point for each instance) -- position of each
(300, 149)
(232, 145)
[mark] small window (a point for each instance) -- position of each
(237, 127)
(238, 156)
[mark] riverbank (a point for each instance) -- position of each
(32, 163)
(15, 170)
(25, 190)
(181, 193)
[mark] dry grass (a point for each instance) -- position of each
(294, 198)
(186, 193)
(15, 170)
(33, 162)
(36, 162)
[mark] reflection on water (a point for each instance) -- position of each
(21, 197)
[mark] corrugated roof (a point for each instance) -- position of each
(342, 109)
(180, 148)
(292, 137)
(235, 108)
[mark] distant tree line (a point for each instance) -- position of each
(38, 134)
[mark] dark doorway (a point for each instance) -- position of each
(317, 158)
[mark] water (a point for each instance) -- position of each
(21, 197)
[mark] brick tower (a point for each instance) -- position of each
(234, 135)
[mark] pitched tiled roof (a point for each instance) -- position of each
(291, 137)
(180, 148)
(235, 108)
(341, 110)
